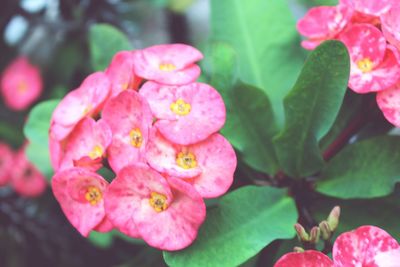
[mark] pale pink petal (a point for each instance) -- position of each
(206, 115)
(309, 258)
(373, 7)
(178, 60)
(391, 26)
(126, 113)
(311, 44)
(56, 151)
(6, 163)
(389, 258)
(360, 247)
(389, 102)
(88, 143)
(21, 84)
(121, 73)
(70, 187)
(162, 156)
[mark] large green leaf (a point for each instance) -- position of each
(311, 108)
(250, 123)
(104, 41)
(263, 34)
(36, 131)
(366, 169)
(245, 221)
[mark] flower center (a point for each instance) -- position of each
(180, 107)
(186, 160)
(93, 195)
(136, 137)
(87, 109)
(97, 152)
(22, 87)
(167, 67)
(365, 65)
(158, 201)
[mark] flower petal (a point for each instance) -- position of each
(309, 258)
(389, 102)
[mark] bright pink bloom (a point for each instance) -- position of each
(80, 194)
(208, 165)
(168, 64)
(185, 114)
(21, 84)
(166, 214)
(372, 7)
(309, 258)
(25, 178)
(389, 102)
(323, 23)
(391, 26)
(129, 118)
(85, 101)
(121, 73)
(6, 163)
(374, 66)
(56, 151)
(361, 247)
(86, 146)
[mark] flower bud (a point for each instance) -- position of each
(325, 230)
(315, 234)
(333, 218)
(301, 233)
(298, 249)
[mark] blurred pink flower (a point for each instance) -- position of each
(309, 258)
(372, 7)
(185, 114)
(168, 63)
(80, 194)
(208, 165)
(6, 163)
(391, 26)
(389, 102)
(21, 84)
(142, 203)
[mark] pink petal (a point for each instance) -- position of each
(6, 163)
(85, 138)
(360, 247)
(69, 188)
(25, 178)
(391, 26)
(311, 44)
(148, 62)
(21, 84)
(79, 103)
(373, 7)
(121, 73)
(389, 102)
(309, 258)
(206, 115)
(104, 226)
(389, 258)
(127, 112)
(382, 77)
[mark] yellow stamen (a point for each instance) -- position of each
(186, 160)
(180, 107)
(93, 195)
(87, 109)
(167, 67)
(158, 202)
(136, 137)
(125, 86)
(97, 152)
(22, 87)
(365, 65)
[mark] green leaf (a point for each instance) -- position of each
(36, 131)
(104, 41)
(366, 169)
(250, 123)
(263, 34)
(311, 108)
(102, 240)
(245, 221)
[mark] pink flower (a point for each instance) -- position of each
(372, 7)
(6, 163)
(129, 118)
(80, 194)
(87, 144)
(85, 101)
(362, 246)
(168, 64)
(391, 26)
(389, 102)
(166, 214)
(374, 66)
(323, 23)
(185, 114)
(310, 258)
(21, 84)
(25, 178)
(121, 73)
(208, 165)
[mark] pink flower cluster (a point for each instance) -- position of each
(367, 246)
(157, 128)
(19, 173)
(371, 32)
(21, 84)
